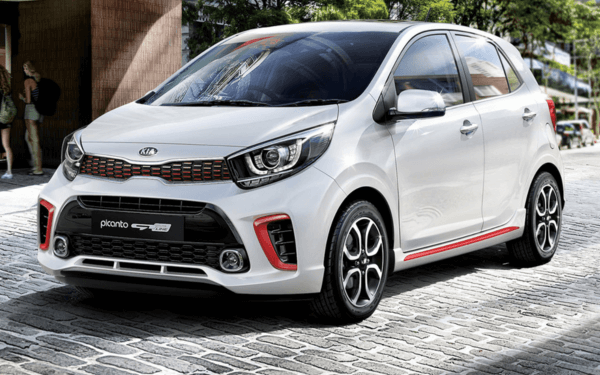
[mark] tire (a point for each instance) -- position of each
(538, 246)
(570, 143)
(348, 263)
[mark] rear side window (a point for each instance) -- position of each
(513, 80)
(485, 68)
(429, 64)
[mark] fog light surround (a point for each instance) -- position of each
(61, 246)
(232, 260)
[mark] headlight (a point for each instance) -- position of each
(280, 158)
(72, 155)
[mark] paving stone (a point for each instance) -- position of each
(104, 370)
(379, 368)
(210, 366)
(10, 370)
(233, 362)
(50, 356)
(288, 365)
(170, 363)
(107, 346)
(128, 364)
(77, 350)
(45, 369)
(474, 314)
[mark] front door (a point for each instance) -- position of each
(439, 164)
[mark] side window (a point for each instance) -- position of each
(487, 73)
(513, 80)
(429, 64)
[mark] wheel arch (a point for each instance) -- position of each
(375, 197)
(553, 170)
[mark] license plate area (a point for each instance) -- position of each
(142, 226)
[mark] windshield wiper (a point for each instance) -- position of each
(313, 102)
(210, 103)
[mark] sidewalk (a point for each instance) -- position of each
(20, 193)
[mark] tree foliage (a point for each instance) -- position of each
(417, 10)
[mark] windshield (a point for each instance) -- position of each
(308, 68)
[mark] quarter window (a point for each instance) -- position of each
(513, 80)
(483, 62)
(429, 64)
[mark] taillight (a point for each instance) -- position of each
(46, 214)
(552, 109)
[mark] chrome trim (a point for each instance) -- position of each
(116, 268)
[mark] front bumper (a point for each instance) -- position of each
(310, 199)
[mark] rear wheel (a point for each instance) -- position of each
(542, 224)
(356, 265)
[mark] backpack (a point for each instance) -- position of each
(8, 111)
(49, 93)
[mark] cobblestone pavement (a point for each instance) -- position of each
(473, 314)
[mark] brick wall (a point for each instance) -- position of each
(55, 36)
(136, 44)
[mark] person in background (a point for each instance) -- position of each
(5, 128)
(32, 118)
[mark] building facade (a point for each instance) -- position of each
(102, 53)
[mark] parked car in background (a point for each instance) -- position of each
(585, 130)
(311, 160)
(569, 135)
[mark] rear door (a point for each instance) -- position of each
(439, 168)
(508, 117)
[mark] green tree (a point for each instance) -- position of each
(484, 15)
(417, 10)
(352, 10)
(587, 48)
(224, 18)
(538, 21)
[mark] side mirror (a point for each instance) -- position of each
(414, 104)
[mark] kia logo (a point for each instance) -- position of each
(148, 151)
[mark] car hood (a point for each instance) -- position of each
(237, 127)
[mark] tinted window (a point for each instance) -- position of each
(281, 69)
(429, 64)
(487, 73)
(513, 79)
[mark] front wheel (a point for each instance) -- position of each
(542, 224)
(356, 265)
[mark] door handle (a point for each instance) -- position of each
(528, 115)
(468, 127)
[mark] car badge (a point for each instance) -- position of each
(148, 151)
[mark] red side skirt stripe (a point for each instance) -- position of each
(461, 243)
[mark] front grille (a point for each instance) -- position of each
(43, 223)
(160, 251)
(282, 237)
(141, 204)
(182, 171)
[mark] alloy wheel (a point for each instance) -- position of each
(362, 264)
(547, 218)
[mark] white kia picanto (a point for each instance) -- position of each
(310, 160)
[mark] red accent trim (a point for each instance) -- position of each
(461, 243)
(50, 208)
(260, 227)
(252, 41)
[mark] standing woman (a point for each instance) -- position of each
(32, 117)
(5, 93)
